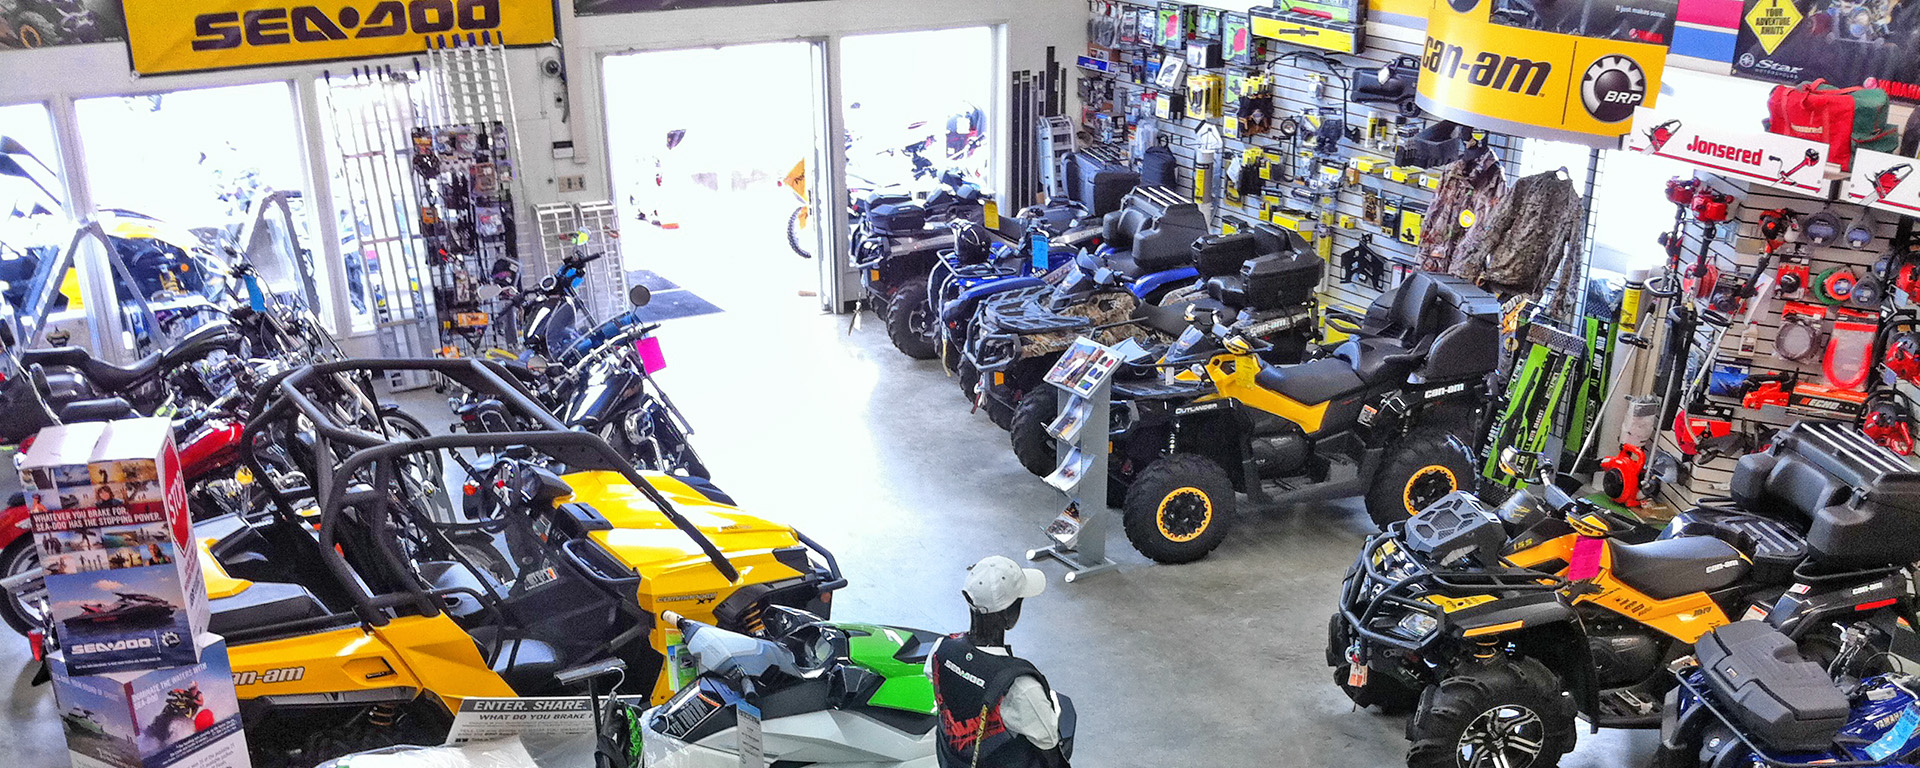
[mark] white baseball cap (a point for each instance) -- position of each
(995, 582)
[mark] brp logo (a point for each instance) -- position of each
(1612, 87)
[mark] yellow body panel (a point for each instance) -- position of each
(430, 654)
(1685, 618)
(1234, 375)
(676, 574)
(219, 583)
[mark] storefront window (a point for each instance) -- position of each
(34, 224)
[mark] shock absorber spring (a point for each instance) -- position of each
(384, 715)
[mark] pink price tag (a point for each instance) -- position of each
(651, 357)
(1586, 558)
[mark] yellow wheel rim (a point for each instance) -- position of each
(1426, 486)
(1184, 514)
(30, 32)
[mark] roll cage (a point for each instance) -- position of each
(340, 483)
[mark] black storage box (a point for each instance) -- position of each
(1281, 280)
(1457, 530)
(1859, 501)
(1222, 255)
(876, 199)
(1780, 699)
(897, 219)
(1775, 547)
(1095, 184)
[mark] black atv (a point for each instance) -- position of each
(1497, 629)
(1382, 416)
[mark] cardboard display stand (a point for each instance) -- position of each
(1084, 377)
(140, 681)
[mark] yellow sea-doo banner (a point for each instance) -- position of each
(173, 36)
(1535, 83)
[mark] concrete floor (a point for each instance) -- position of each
(1216, 663)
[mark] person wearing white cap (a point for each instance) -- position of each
(995, 709)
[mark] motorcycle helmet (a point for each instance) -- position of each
(970, 243)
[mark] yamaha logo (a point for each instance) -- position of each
(1612, 87)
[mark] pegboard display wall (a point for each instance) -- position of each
(1335, 198)
(1752, 350)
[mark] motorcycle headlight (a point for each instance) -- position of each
(1414, 625)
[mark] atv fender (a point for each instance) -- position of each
(1510, 614)
(1797, 614)
(962, 306)
(1148, 285)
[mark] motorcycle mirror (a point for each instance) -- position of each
(639, 296)
(1519, 463)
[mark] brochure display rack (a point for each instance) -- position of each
(1078, 535)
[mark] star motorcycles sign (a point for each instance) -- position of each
(1533, 78)
(172, 36)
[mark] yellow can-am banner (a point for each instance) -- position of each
(174, 36)
(1533, 82)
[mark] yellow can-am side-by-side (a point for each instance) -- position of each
(356, 619)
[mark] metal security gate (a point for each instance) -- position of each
(372, 110)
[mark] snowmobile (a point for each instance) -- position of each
(1377, 417)
(356, 619)
(826, 693)
(1496, 629)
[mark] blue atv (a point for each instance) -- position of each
(974, 271)
(1145, 255)
(1751, 699)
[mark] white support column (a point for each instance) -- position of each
(839, 282)
(320, 205)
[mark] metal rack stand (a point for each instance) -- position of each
(1087, 554)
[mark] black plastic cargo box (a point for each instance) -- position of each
(897, 219)
(1222, 255)
(1779, 699)
(1859, 501)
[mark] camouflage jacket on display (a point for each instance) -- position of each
(1520, 245)
(1477, 183)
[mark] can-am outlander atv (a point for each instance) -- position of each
(1498, 629)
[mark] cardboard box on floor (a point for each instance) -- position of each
(180, 717)
(110, 519)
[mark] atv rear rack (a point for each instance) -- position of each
(1360, 608)
(1759, 752)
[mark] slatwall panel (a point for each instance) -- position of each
(1739, 247)
(1293, 96)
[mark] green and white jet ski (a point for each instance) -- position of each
(837, 693)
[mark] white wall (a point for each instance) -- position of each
(549, 112)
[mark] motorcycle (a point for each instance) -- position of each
(826, 693)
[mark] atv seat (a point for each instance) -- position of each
(104, 409)
(1424, 315)
(1310, 383)
(1668, 568)
(1152, 232)
(263, 604)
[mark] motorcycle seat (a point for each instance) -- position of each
(1669, 568)
(1170, 320)
(101, 373)
(1310, 383)
(104, 409)
(263, 604)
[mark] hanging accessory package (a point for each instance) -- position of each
(1802, 334)
(1850, 349)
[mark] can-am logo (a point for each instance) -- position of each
(1486, 69)
(310, 24)
(129, 644)
(1726, 152)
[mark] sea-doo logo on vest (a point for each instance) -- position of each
(1612, 87)
(1486, 69)
(129, 644)
(964, 675)
(310, 24)
(1727, 152)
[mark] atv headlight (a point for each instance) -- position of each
(1416, 625)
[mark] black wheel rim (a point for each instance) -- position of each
(1427, 486)
(1184, 514)
(1507, 736)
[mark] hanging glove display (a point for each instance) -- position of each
(1850, 349)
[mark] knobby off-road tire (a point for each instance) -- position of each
(910, 322)
(1179, 508)
(1031, 444)
(1426, 467)
(1514, 708)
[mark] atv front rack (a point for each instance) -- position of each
(302, 394)
(1369, 591)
